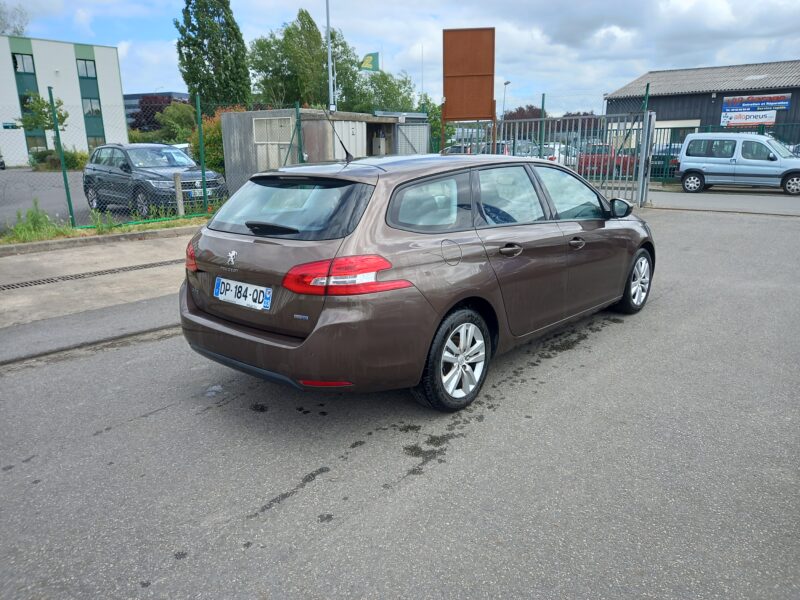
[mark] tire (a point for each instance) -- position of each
(636, 291)
(94, 201)
(140, 204)
(791, 184)
(693, 183)
(451, 361)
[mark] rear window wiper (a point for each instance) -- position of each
(264, 228)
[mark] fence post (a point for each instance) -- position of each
(176, 178)
(61, 155)
(202, 151)
(299, 131)
(541, 131)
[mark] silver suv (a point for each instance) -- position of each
(747, 159)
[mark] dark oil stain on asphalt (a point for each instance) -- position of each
(357, 444)
(8, 467)
(29, 459)
(407, 428)
(35, 481)
(273, 502)
(247, 544)
(258, 407)
(181, 555)
(323, 413)
(325, 518)
(144, 584)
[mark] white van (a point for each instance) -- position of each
(747, 159)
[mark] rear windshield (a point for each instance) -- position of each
(294, 208)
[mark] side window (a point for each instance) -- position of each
(711, 148)
(433, 205)
(102, 156)
(572, 198)
(117, 158)
(755, 151)
(508, 196)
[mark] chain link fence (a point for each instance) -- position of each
(85, 172)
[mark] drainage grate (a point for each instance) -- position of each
(24, 284)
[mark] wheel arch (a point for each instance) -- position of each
(486, 310)
(788, 174)
(650, 247)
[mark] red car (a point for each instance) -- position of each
(604, 160)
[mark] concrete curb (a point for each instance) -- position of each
(68, 243)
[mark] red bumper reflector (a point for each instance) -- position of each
(316, 383)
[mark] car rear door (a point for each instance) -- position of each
(597, 258)
(95, 174)
(753, 165)
(526, 250)
(118, 181)
(715, 157)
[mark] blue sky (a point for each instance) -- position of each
(572, 51)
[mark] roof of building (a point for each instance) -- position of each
(734, 78)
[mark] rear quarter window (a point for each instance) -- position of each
(294, 208)
(432, 205)
(711, 148)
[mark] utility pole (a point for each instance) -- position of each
(331, 101)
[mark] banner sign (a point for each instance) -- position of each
(743, 111)
(371, 62)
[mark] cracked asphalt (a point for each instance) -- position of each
(645, 456)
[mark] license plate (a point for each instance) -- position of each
(196, 193)
(243, 294)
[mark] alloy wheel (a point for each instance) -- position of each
(463, 360)
(91, 198)
(141, 204)
(640, 281)
(793, 185)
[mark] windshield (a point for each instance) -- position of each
(780, 149)
(294, 208)
(159, 157)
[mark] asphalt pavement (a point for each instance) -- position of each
(727, 199)
(645, 456)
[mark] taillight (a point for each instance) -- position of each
(191, 260)
(674, 162)
(345, 276)
(551, 158)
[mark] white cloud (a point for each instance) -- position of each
(149, 67)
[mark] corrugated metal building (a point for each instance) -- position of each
(713, 97)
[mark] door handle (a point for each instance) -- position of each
(577, 243)
(511, 250)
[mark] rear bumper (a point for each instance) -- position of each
(372, 345)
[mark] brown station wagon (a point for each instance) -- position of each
(406, 272)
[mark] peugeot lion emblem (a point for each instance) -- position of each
(232, 256)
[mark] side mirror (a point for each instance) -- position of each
(620, 208)
(772, 156)
(125, 167)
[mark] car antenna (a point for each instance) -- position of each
(348, 158)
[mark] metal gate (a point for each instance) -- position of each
(412, 138)
(611, 151)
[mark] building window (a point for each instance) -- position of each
(86, 69)
(23, 63)
(36, 143)
(95, 141)
(91, 107)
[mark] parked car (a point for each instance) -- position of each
(603, 159)
(458, 149)
(140, 177)
(664, 161)
(748, 159)
(406, 272)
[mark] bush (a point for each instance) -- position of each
(212, 139)
(136, 136)
(35, 225)
(41, 156)
(74, 160)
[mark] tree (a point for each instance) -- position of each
(291, 64)
(13, 19)
(177, 122)
(524, 112)
(384, 91)
(212, 55)
(434, 111)
(37, 114)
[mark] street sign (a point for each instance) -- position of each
(10, 126)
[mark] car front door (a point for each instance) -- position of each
(596, 256)
(525, 248)
(118, 179)
(754, 167)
